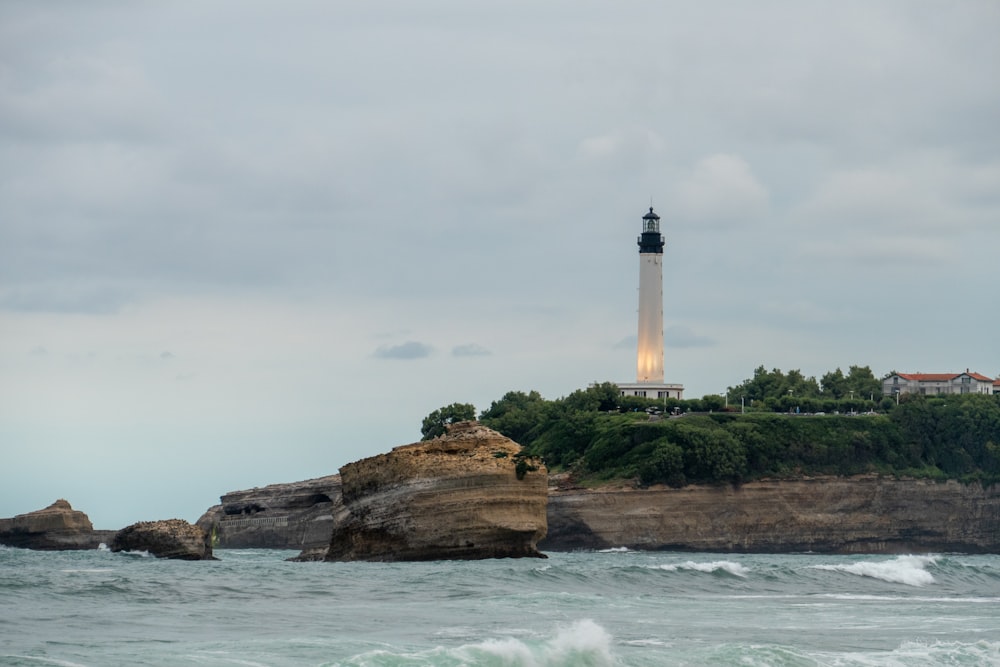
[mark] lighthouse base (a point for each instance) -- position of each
(651, 390)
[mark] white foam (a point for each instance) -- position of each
(217, 657)
(88, 570)
(581, 644)
(648, 642)
(137, 554)
(48, 661)
(714, 566)
(584, 643)
(614, 550)
(909, 570)
(918, 654)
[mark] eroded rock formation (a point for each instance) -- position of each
(468, 494)
(298, 515)
(172, 538)
(831, 515)
(57, 527)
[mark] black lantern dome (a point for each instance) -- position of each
(651, 241)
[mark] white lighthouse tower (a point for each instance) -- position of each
(649, 349)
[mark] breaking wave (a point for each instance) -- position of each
(582, 644)
(909, 570)
(726, 566)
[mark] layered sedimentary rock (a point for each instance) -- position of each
(57, 527)
(832, 515)
(172, 538)
(468, 494)
(298, 515)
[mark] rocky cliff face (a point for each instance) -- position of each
(830, 515)
(57, 527)
(298, 515)
(465, 495)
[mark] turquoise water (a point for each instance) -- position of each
(594, 608)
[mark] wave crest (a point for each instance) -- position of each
(582, 644)
(909, 570)
(727, 566)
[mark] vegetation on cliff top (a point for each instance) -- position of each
(599, 434)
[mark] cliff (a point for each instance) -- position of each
(865, 514)
(467, 494)
(298, 515)
(54, 528)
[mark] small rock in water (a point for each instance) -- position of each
(172, 538)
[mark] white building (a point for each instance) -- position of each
(932, 384)
(649, 350)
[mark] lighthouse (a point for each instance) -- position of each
(649, 352)
(649, 344)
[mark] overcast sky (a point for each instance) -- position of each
(249, 242)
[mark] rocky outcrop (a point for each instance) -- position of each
(865, 514)
(172, 538)
(57, 527)
(468, 494)
(298, 515)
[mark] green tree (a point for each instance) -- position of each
(714, 455)
(834, 384)
(665, 464)
(863, 382)
(602, 397)
(712, 402)
(519, 416)
(436, 423)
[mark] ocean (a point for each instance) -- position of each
(597, 609)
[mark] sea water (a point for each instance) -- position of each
(616, 607)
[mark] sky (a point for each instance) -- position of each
(245, 242)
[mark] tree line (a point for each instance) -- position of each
(598, 433)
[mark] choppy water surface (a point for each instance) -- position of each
(600, 609)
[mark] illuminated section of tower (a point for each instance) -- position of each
(649, 354)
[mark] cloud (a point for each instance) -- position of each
(627, 343)
(470, 350)
(916, 195)
(720, 190)
(63, 297)
(408, 350)
(630, 143)
(682, 336)
(166, 355)
(881, 252)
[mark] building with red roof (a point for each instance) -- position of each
(932, 384)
